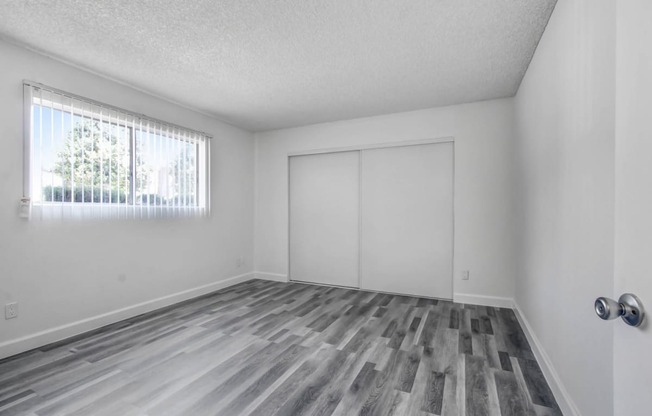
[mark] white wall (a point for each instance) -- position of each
(633, 268)
(483, 135)
(565, 196)
(63, 273)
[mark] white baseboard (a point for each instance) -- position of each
(39, 339)
(275, 277)
(495, 301)
(564, 400)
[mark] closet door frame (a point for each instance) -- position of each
(361, 148)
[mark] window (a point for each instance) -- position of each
(85, 159)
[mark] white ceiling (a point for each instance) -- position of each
(270, 64)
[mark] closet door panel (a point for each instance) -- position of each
(407, 220)
(324, 213)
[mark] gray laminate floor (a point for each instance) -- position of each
(266, 348)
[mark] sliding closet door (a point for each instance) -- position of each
(324, 227)
(407, 220)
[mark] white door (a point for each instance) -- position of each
(324, 199)
(633, 226)
(407, 220)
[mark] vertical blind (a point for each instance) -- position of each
(85, 159)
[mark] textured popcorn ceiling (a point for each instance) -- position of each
(278, 63)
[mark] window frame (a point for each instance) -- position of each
(202, 206)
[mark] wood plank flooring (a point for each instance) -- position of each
(267, 348)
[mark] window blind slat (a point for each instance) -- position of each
(115, 133)
(50, 167)
(148, 152)
(70, 181)
(61, 139)
(165, 134)
(184, 161)
(178, 177)
(40, 145)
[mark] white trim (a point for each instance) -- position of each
(360, 159)
(564, 400)
(39, 339)
(372, 146)
(495, 301)
(274, 277)
(289, 204)
(454, 207)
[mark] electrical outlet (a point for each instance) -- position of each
(465, 275)
(11, 310)
(239, 261)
